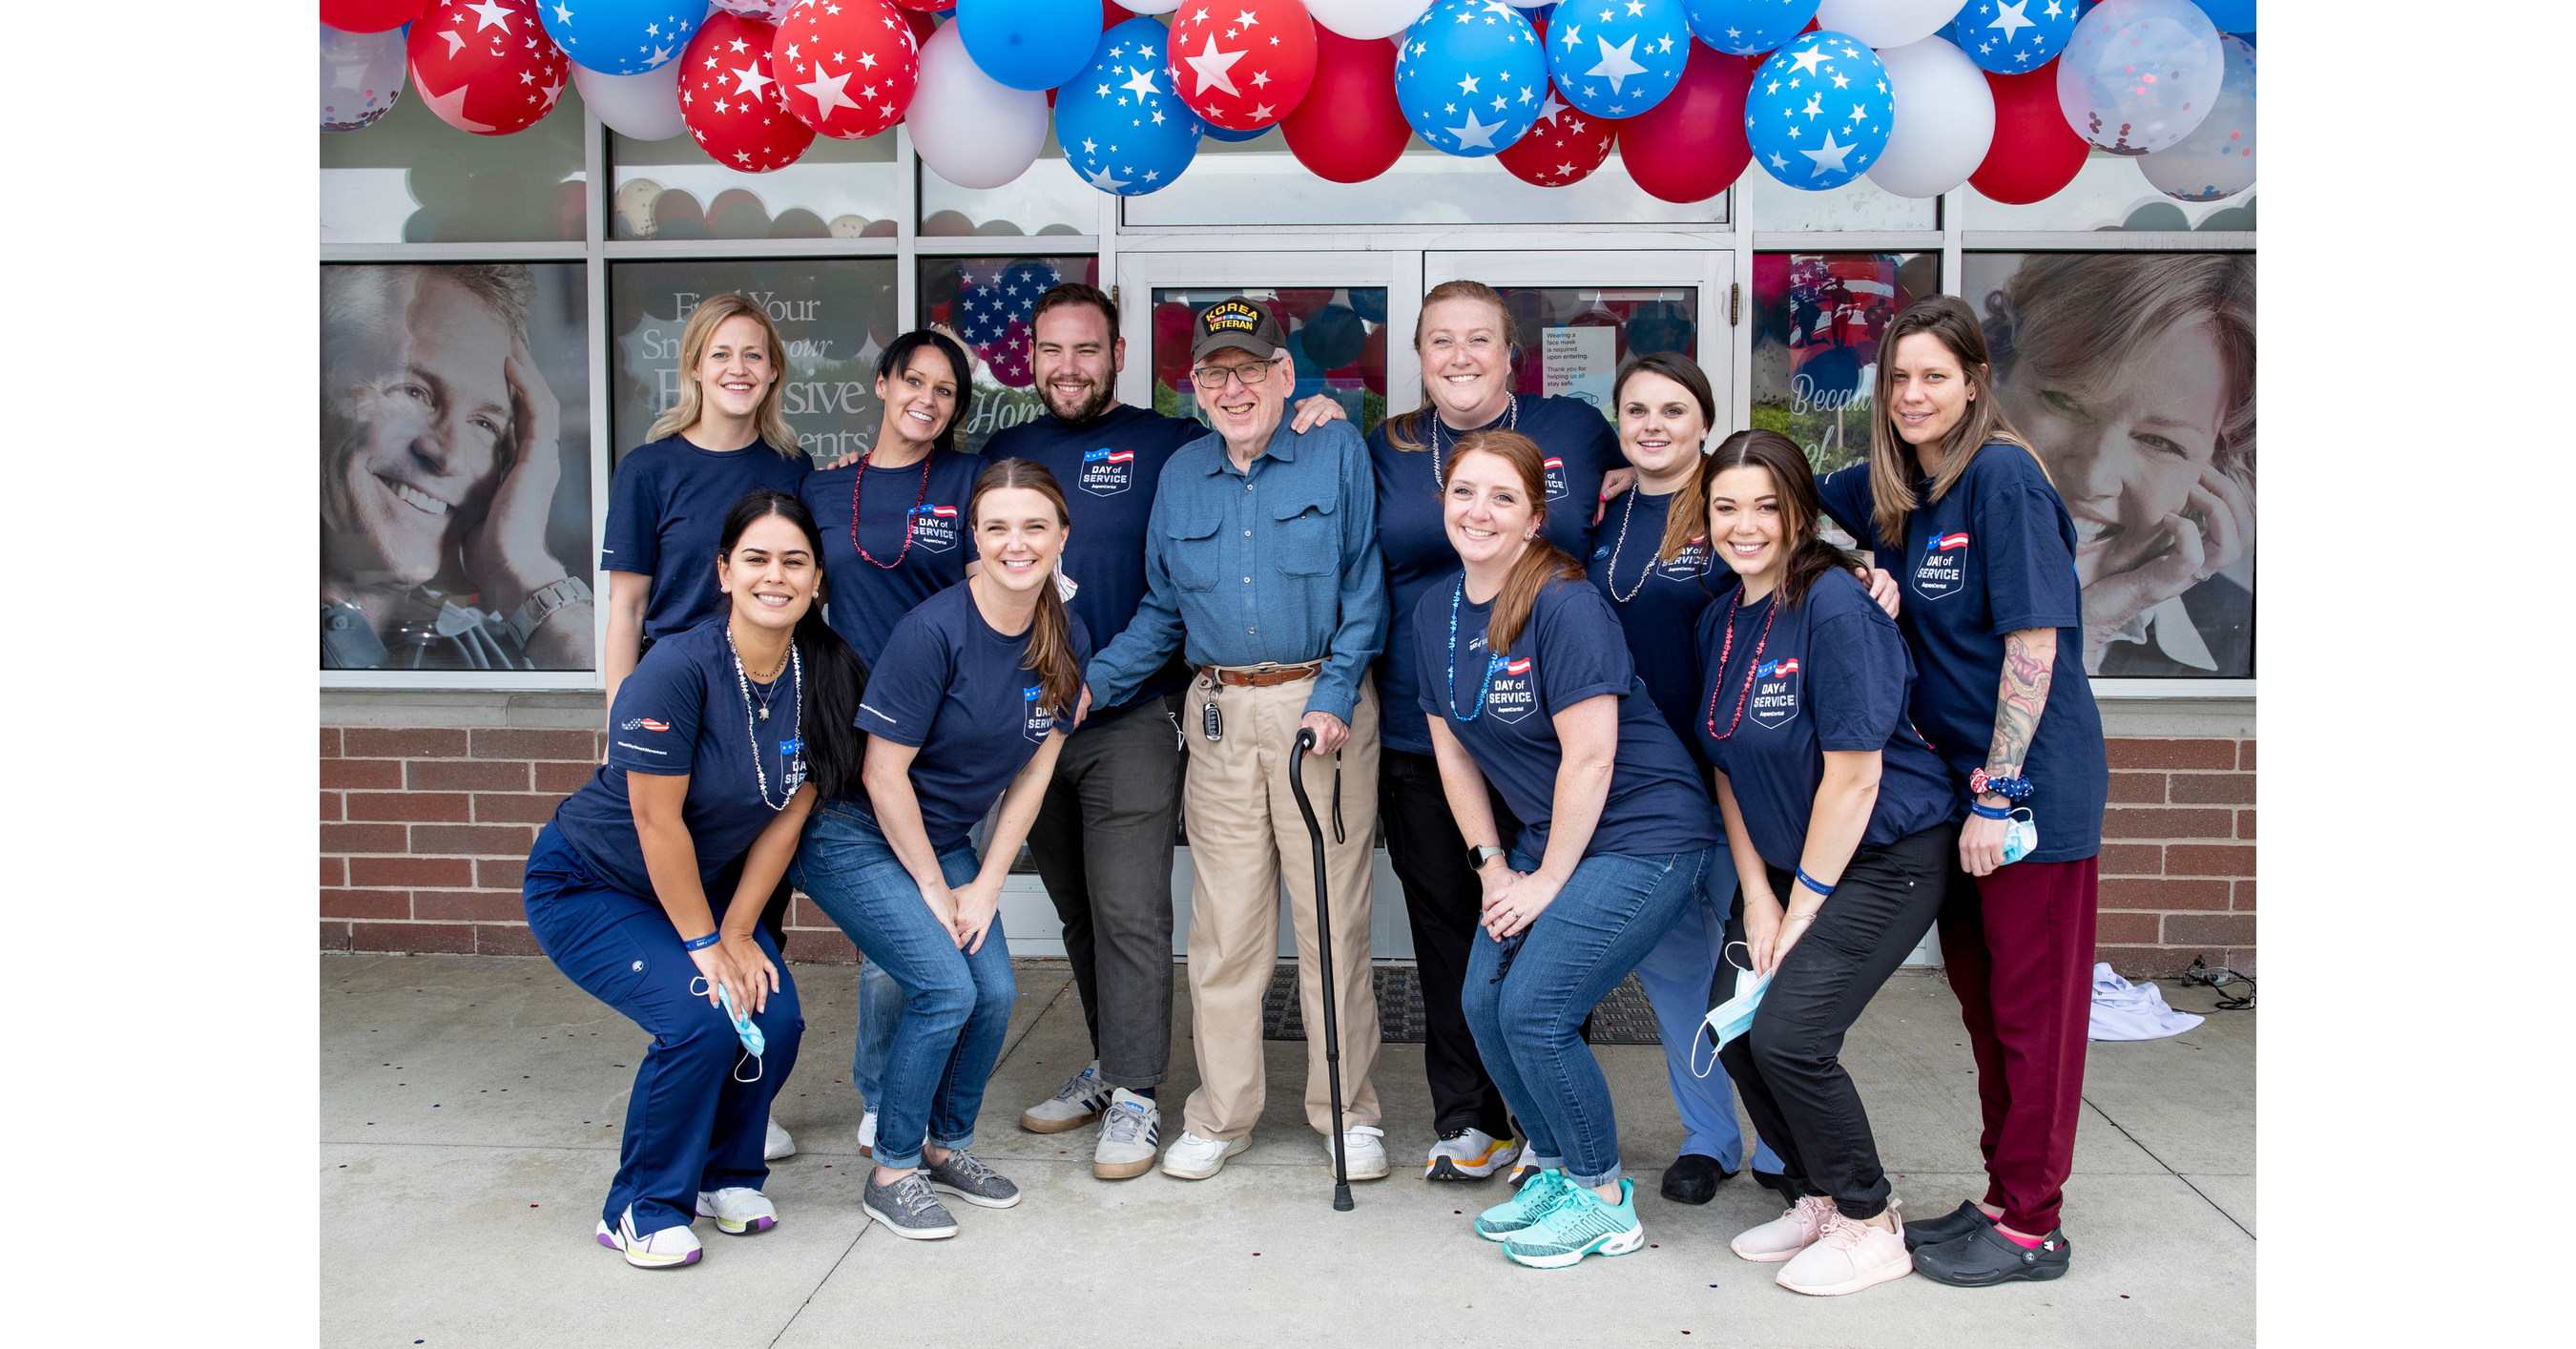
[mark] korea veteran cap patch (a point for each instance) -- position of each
(1237, 323)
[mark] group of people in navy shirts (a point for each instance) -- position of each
(1625, 708)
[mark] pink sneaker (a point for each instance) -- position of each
(1847, 1257)
(1786, 1235)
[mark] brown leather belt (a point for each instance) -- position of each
(1264, 676)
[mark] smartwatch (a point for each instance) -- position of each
(1478, 857)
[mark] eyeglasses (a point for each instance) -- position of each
(1213, 377)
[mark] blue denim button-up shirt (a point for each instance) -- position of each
(1278, 564)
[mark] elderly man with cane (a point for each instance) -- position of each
(1262, 545)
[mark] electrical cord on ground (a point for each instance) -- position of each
(2215, 979)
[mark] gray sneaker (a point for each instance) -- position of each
(908, 1208)
(1129, 1135)
(1077, 1103)
(969, 1179)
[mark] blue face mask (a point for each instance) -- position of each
(1729, 1019)
(754, 1043)
(2021, 836)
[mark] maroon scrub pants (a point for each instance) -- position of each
(2018, 945)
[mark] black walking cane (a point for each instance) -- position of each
(1324, 947)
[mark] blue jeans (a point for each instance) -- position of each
(692, 1123)
(1528, 1018)
(955, 1006)
(880, 1009)
(1676, 975)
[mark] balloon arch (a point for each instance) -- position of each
(1918, 96)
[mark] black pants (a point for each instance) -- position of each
(1103, 844)
(1789, 1066)
(1442, 900)
(773, 915)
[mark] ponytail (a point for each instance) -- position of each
(1051, 635)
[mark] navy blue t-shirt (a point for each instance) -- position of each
(1995, 556)
(1581, 448)
(868, 599)
(1567, 652)
(959, 692)
(1109, 467)
(684, 711)
(666, 509)
(1656, 601)
(1832, 674)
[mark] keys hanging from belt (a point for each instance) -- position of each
(1212, 725)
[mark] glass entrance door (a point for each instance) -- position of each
(1580, 315)
(1333, 304)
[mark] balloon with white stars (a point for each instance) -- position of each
(847, 68)
(486, 67)
(1562, 147)
(2012, 36)
(1617, 58)
(1241, 64)
(1471, 76)
(1819, 112)
(730, 97)
(1748, 27)
(621, 37)
(1123, 128)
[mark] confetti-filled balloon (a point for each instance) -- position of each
(369, 16)
(847, 68)
(362, 76)
(1348, 128)
(1885, 23)
(488, 67)
(2035, 152)
(642, 107)
(1367, 18)
(621, 37)
(1242, 63)
(2011, 36)
(1945, 119)
(1622, 64)
(1470, 76)
(968, 127)
(1748, 27)
(2139, 75)
(1819, 113)
(730, 98)
(1691, 146)
(1563, 146)
(2217, 159)
(1029, 44)
(1122, 128)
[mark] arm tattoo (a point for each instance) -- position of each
(2030, 655)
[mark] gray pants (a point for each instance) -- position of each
(1103, 844)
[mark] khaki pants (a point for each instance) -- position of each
(1245, 836)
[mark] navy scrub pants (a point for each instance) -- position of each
(692, 1124)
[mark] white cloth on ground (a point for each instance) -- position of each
(2127, 1011)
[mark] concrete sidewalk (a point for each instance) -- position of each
(470, 1113)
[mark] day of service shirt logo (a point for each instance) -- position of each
(1943, 568)
(1108, 472)
(1556, 487)
(1514, 691)
(1775, 693)
(1691, 563)
(934, 527)
(1035, 721)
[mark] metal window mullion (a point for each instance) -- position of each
(595, 271)
(907, 233)
(1954, 206)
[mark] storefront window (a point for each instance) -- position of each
(1573, 339)
(987, 303)
(1338, 338)
(1816, 323)
(1049, 198)
(1259, 183)
(412, 178)
(836, 189)
(2109, 194)
(428, 431)
(835, 317)
(1766, 204)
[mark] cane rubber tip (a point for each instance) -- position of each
(1341, 1199)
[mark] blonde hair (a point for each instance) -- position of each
(703, 322)
(1410, 432)
(1892, 462)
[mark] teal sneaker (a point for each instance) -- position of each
(1578, 1226)
(1533, 1201)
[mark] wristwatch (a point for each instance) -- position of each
(1478, 857)
(543, 603)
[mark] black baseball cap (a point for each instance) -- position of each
(1243, 323)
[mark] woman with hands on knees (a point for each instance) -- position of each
(1527, 686)
(968, 703)
(1840, 823)
(721, 740)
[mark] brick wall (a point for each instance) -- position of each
(425, 828)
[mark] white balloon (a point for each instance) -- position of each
(1886, 23)
(642, 107)
(767, 11)
(2217, 159)
(1945, 119)
(970, 128)
(362, 76)
(1151, 6)
(1364, 18)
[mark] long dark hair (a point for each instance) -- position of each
(1051, 641)
(1541, 561)
(1809, 555)
(1892, 462)
(1685, 518)
(898, 357)
(835, 678)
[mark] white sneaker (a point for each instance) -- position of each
(1847, 1257)
(738, 1209)
(1128, 1133)
(1077, 1103)
(1469, 1154)
(1363, 1152)
(1783, 1237)
(1194, 1158)
(669, 1248)
(867, 1133)
(780, 1144)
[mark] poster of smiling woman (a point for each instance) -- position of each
(455, 468)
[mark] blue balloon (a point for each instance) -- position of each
(2009, 37)
(1029, 44)
(1334, 336)
(2231, 16)
(622, 37)
(982, 317)
(1022, 283)
(1819, 112)
(1369, 302)
(1123, 128)
(1619, 58)
(1744, 27)
(1217, 133)
(1464, 62)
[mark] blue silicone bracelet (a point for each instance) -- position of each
(1822, 890)
(704, 942)
(1987, 812)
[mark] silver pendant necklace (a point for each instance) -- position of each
(1511, 422)
(791, 758)
(1633, 591)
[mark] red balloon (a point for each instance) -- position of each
(1349, 129)
(1172, 344)
(1297, 304)
(489, 68)
(730, 101)
(927, 6)
(368, 16)
(846, 69)
(1563, 146)
(2035, 152)
(923, 25)
(1691, 146)
(1243, 64)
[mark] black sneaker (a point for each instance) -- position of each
(1949, 1226)
(1987, 1257)
(1692, 1178)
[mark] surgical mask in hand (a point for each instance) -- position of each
(2021, 836)
(1730, 1019)
(753, 1042)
